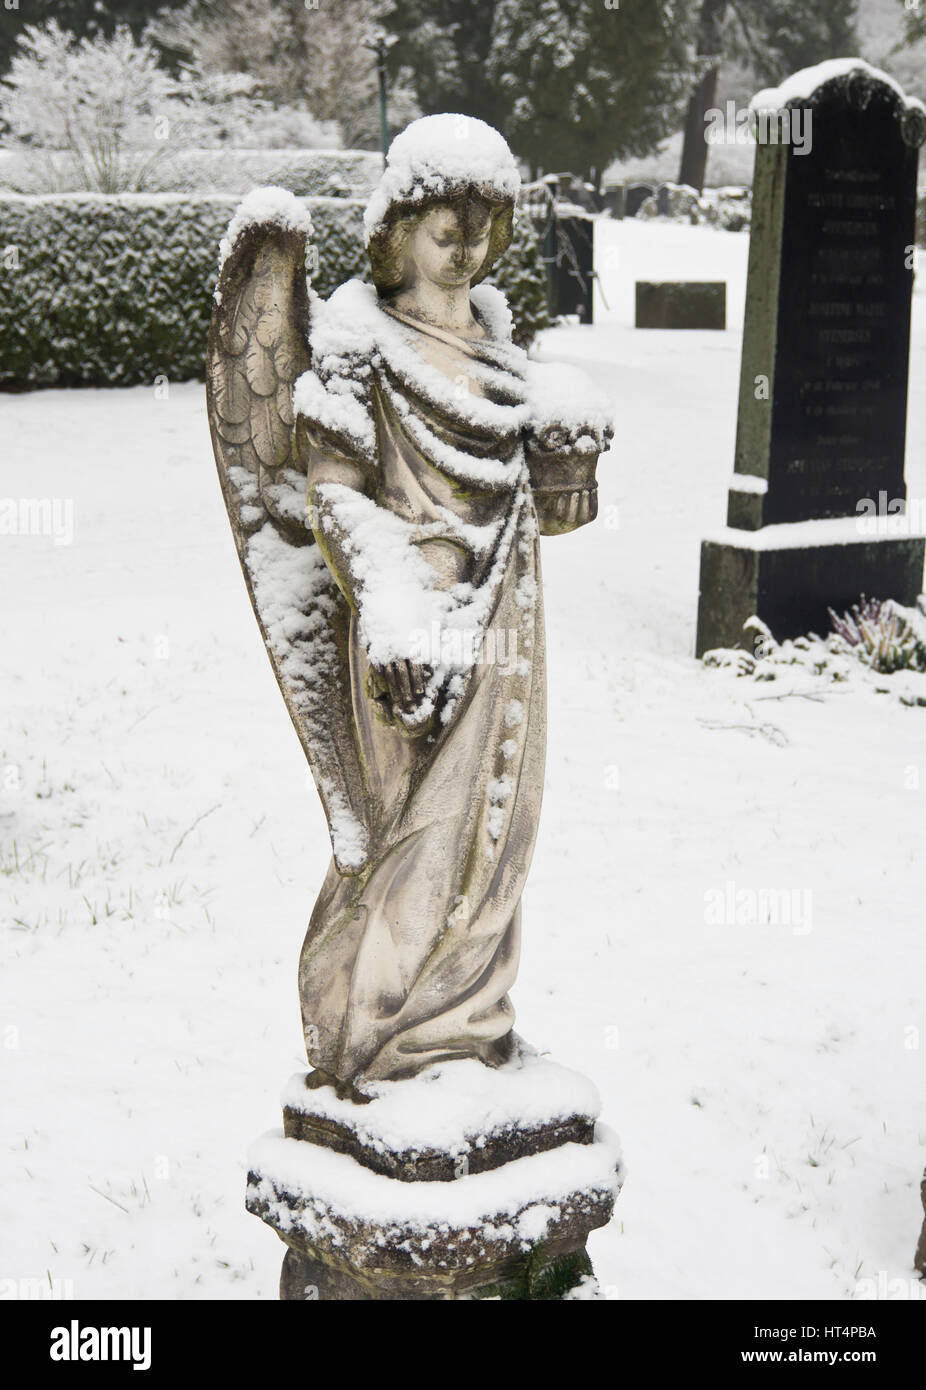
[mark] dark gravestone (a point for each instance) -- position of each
(823, 390)
(637, 194)
(613, 200)
(574, 267)
(686, 304)
(566, 235)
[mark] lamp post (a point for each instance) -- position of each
(379, 43)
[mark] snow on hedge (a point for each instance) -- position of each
(307, 172)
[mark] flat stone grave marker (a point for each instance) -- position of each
(682, 304)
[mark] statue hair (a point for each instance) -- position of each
(386, 247)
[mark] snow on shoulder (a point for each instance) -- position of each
(492, 307)
(268, 206)
(442, 155)
(804, 84)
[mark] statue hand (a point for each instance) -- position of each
(399, 687)
(562, 512)
(406, 682)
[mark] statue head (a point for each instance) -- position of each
(445, 200)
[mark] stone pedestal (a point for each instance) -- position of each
(465, 1182)
(920, 1258)
(790, 575)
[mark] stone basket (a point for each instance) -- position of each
(563, 481)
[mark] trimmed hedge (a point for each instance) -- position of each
(100, 290)
(114, 291)
(307, 173)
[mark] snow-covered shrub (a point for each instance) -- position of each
(103, 115)
(117, 290)
(101, 290)
(104, 104)
(876, 639)
(677, 202)
(310, 55)
(727, 208)
(732, 207)
(521, 274)
(224, 169)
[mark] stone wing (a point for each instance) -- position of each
(258, 346)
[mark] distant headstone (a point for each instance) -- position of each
(636, 196)
(613, 200)
(683, 304)
(573, 189)
(823, 389)
(574, 266)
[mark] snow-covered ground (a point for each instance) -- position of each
(162, 847)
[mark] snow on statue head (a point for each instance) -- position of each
(450, 161)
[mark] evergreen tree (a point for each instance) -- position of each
(774, 38)
(447, 44)
(82, 18)
(571, 84)
(521, 275)
(914, 21)
(777, 37)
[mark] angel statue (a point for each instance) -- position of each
(389, 459)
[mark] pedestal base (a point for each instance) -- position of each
(435, 1190)
(531, 1279)
(790, 582)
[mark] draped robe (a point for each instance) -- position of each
(409, 962)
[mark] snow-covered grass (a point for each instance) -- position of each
(162, 847)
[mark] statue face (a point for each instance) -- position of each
(450, 243)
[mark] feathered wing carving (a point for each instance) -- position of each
(258, 347)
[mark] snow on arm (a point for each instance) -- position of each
(393, 587)
(567, 411)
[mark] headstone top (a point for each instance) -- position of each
(823, 395)
(859, 80)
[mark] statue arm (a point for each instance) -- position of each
(327, 467)
(399, 686)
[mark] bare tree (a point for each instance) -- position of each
(300, 57)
